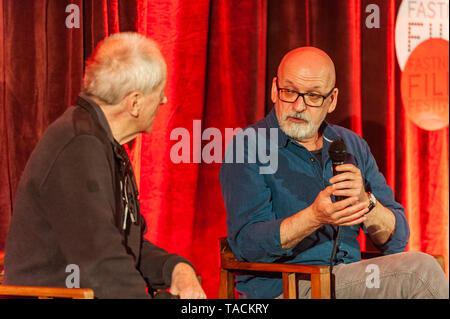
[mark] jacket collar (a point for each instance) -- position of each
(97, 114)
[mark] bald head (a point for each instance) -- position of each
(307, 72)
(308, 64)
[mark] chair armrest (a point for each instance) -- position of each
(47, 292)
(229, 261)
(320, 275)
(274, 267)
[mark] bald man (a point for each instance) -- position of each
(291, 216)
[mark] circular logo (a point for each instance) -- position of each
(417, 21)
(425, 85)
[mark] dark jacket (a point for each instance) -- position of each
(68, 210)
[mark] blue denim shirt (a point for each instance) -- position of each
(257, 203)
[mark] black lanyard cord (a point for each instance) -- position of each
(333, 253)
(128, 187)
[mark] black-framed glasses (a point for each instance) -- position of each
(310, 99)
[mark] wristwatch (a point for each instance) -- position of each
(372, 201)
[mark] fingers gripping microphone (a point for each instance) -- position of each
(338, 155)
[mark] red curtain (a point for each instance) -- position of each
(414, 161)
(41, 63)
(216, 56)
(221, 58)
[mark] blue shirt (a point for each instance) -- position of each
(257, 202)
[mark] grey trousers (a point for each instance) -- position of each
(408, 275)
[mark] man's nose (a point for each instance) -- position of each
(299, 105)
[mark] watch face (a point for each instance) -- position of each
(372, 202)
(373, 199)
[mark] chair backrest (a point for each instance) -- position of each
(225, 250)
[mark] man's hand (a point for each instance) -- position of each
(347, 212)
(380, 223)
(185, 283)
(349, 183)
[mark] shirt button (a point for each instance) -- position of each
(312, 159)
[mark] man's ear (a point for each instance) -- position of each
(333, 97)
(274, 91)
(132, 103)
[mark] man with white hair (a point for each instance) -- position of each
(77, 201)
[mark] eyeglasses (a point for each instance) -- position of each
(310, 99)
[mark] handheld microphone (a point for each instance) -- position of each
(338, 155)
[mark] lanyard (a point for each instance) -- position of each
(128, 189)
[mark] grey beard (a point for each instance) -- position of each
(298, 131)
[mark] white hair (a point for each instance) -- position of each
(298, 131)
(123, 63)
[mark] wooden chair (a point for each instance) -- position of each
(318, 274)
(41, 292)
(229, 265)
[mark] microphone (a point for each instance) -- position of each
(338, 155)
